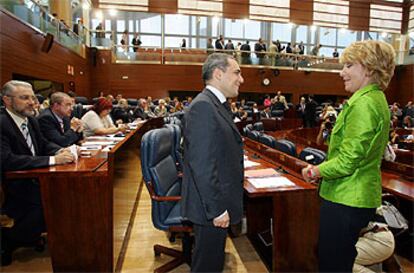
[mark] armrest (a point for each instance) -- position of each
(158, 198)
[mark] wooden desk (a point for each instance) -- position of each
(293, 216)
(88, 206)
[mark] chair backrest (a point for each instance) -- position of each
(267, 140)
(249, 127)
(277, 113)
(253, 134)
(258, 126)
(286, 146)
(176, 147)
(132, 102)
(312, 155)
(160, 173)
(82, 100)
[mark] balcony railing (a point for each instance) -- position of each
(34, 15)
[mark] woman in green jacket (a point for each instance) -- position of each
(351, 177)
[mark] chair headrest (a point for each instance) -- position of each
(155, 146)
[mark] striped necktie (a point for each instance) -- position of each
(26, 134)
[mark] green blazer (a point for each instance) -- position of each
(351, 175)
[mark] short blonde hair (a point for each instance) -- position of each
(376, 56)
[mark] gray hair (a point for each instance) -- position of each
(10, 86)
(58, 97)
(215, 60)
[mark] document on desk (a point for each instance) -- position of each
(261, 173)
(271, 182)
(248, 164)
(95, 143)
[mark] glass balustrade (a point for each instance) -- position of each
(37, 17)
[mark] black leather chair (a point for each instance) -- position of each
(249, 127)
(312, 155)
(253, 135)
(258, 126)
(176, 146)
(277, 113)
(82, 100)
(132, 102)
(268, 140)
(164, 185)
(286, 146)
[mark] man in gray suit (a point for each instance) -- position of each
(212, 190)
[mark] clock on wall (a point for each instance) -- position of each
(266, 81)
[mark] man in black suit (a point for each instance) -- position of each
(310, 112)
(23, 147)
(266, 113)
(212, 190)
(219, 43)
(56, 124)
(245, 48)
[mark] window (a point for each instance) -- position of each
(346, 37)
(334, 13)
(281, 32)
(177, 24)
(301, 34)
(252, 29)
(203, 25)
(385, 18)
(233, 28)
(173, 41)
(201, 7)
(327, 36)
(151, 40)
(275, 10)
(151, 24)
(108, 25)
(120, 25)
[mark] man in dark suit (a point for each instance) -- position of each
(266, 113)
(23, 147)
(245, 48)
(212, 190)
(310, 112)
(56, 124)
(219, 43)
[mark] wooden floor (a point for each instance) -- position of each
(139, 257)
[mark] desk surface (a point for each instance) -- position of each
(252, 191)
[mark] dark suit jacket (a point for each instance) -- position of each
(51, 129)
(218, 44)
(15, 154)
(213, 163)
(263, 114)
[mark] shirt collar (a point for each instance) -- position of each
(362, 91)
(57, 116)
(217, 93)
(17, 119)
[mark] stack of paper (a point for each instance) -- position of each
(248, 164)
(271, 182)
(261, 173)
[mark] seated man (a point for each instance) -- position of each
(56, 124)
(143, 111)
(23, 147)
(266, 113)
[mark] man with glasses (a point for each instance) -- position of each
(23, 147)
(56, 124)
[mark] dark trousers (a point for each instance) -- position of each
(208, 254)
(338, 233)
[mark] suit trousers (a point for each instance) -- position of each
(339, 230)
(208, 254)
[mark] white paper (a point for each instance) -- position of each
(248, 164)
(74, 150)
(91, 148)
(271, 182)
(95, 143)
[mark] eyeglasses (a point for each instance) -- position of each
(24, 97)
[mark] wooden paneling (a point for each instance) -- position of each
(401, 88)
(301, 12)
(236, 9)
(359, 15)
(162, 6)
(20, 53)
